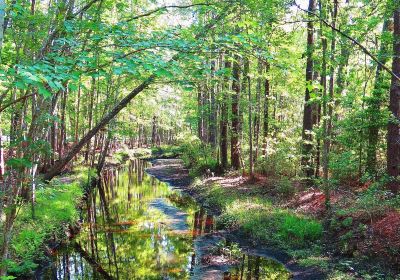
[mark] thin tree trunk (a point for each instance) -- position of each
(235, 143)
(90, 112)
(2, 24)
(61, 140)
(247, 79)
(257, 114)
(266, 112)
(200, 119)
(2, 167)
(213, 108)
(78, 102)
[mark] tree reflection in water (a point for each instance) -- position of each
(136, 227)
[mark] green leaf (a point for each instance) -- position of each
(19, 163)
(164, 73)
(44, 92)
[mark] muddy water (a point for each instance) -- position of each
(136, 227)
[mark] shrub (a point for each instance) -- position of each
(282, 158)
(285, 187)
(344, 165)
(197, 156)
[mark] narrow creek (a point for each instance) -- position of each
(137, 227)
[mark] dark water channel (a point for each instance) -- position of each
(136, 227)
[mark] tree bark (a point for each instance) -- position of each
(257, 113)
(2, 170)
(235, 143)
(393, 138)
(266, 112)
(308, 114)
(213, 109)
(224, 118)
(247, 79)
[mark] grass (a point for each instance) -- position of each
(55, 209)
(256, 216)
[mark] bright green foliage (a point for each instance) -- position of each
(56, 208)
(257, 217)
(198, 156)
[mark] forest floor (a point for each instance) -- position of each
(271, 216)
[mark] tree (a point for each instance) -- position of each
(308, 112)
(393, 138)
(235, 143)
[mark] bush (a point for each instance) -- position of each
(282, 158)
(344, 165)
(197, 156)
(285, 187)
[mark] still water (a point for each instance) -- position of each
(136, 227)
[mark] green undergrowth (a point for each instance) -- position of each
(55, 209)
(166, 151)
(261, 219)
(257, 217)
(199, 157)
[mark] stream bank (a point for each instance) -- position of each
(136, 227)
(174, 173)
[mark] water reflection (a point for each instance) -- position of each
(258, 268)
(126, 235)
(136, 227)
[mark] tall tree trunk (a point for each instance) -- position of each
(154, 132)
(200, 108)
(393, 138)
(224, 118)
(257, 113)
(2, 23)
(62, 135)
(266, 112)
(247, 79)
(325, 135)
(213, 108)
(329, 107)
(375, 102)
(308, 114)
(2, 167)
(90, 116)
(235, 143)
(78, 102)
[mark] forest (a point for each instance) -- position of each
(200, 139)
